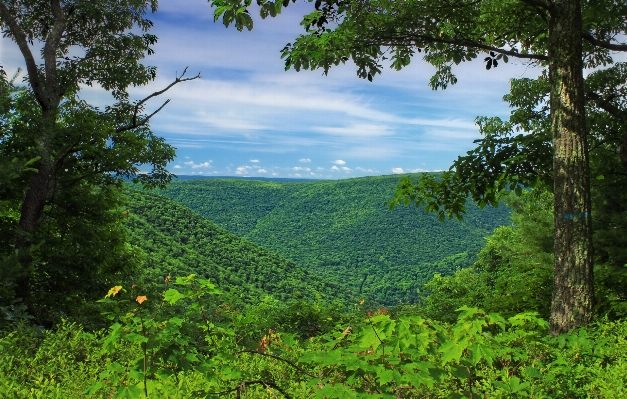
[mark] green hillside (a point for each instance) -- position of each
(342, 230)
(181, 242)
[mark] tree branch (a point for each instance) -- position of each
(20, 38)
(278, 358)
(542, 4)
(242, 386)
(603, 44)
(466, 43)
(606, 105)
(50, 53)
(135, 123)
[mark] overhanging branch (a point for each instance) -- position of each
(604, 44)
(393, 41)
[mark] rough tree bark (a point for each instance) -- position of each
(573, 291)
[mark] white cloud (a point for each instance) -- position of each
(356, 130)
(397, 170)
(254, 160)
(320, 168)
(242, 170)
(335, 168)
(177, 166)
(301, 168)
(304, 160)
(199, 165)
(345, 169)
(262, 171)
(339, 162)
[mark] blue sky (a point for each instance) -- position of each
(246, 116)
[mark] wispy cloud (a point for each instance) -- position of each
(339, 162)
(194, 165)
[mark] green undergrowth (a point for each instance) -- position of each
(185, 343)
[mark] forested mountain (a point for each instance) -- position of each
(180, 242)
(342, 229)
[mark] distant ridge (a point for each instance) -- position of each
(279, 179)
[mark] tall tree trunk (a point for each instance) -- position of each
(573, 290)
(37, 195)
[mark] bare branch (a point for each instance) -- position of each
(145, 120)
(20, 38)
(603, 44)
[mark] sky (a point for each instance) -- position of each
(247, 116)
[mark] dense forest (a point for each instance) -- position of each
(342, 230)
(177, 241)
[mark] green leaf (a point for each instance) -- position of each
(481, 352)
(172, 296)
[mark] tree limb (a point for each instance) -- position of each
(135, 123)
(463, 43)
(242, 386)
(278, 358)
(605, 104)
(50, 53)
(604, 44)
(542, 4)
(20, 38)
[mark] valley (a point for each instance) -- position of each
(342, 231)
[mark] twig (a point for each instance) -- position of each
(278, 358)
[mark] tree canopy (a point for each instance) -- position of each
(66, 157)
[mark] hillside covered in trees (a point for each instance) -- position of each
(343, 230)
(177, 241)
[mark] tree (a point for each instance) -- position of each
(564, 36)
(80, 153)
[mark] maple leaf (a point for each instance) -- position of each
(141, 298)
(113, 291)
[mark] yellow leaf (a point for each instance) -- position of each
(113, 291)
(141, 299)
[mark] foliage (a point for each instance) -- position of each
(176, 345)
(189, 346)
(481, 355)
(340, 230)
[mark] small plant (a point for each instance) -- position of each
(185, 345)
